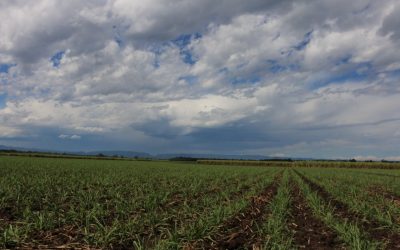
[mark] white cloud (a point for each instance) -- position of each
(392, 158)
(375, 158)
(62, 136)
(9, 132)
(366, 158)
(255, 72)
(70, 137)
(75, 137)
(158, 20)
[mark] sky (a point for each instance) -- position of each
(295, 78)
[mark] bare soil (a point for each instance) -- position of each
(308, 231)
(66, 237)
(389, 195)
(374, 229)
(153, 234)
(379, 174)
(238, 232)
(6, 214)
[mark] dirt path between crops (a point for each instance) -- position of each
(71, 237)
(374, 229)
(379, 174)
(238, 231)
(6, 217)
(153, 235)
(381, 191)
(308, 231)
(177, 199)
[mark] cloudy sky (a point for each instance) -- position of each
(315, 78)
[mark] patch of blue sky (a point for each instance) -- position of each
(5, 67)
(188, 57)
(360, 73)
(156, 62)
(364, 9)
(249, 79)
(43, 92)
(393, 73)
(344, 60)
(299, 46)
(350, 76)
(3, 100)
(119, 41)
(56, 58)
(182, 42)
(276, 36)
(242, 65)
(306, 40)
(157, 50)
(275, 67)
(246, 80)
(223, 70)
(189, 79)
(117, 36)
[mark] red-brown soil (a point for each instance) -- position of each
(308, 231)
(374, 229)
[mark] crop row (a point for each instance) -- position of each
(51, 202)
(163, 205)
(304, 164)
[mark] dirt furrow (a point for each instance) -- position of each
(6, 216)
(375, 230)
(239, 230)
(377, 190)
(378, 174)
(153, 234)
(308, 231)
(178, 199)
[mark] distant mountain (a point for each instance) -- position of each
(129, 154)
(218, 156)
(133, 154)
(3, 147)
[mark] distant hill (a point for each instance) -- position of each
(3, 147)
(128, 154)
(133, 154)
(210, 156)
(223, 156)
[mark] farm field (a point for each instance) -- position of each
(119, 204)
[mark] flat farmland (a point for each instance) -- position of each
(120, 204)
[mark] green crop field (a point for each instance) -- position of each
(120, 204)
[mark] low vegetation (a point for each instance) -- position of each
(306, 163)
(120, 204)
